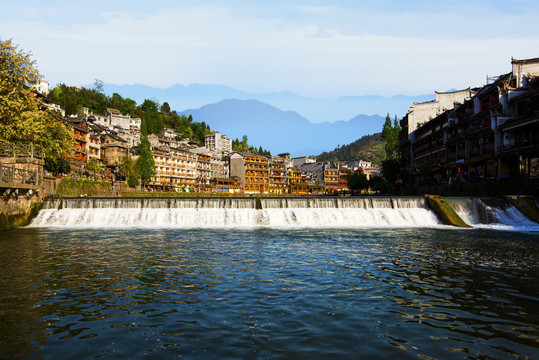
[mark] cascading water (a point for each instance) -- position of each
(360, 212)
(496, 213)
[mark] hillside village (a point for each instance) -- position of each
(485, 136)
(184, 165)
(474, 135)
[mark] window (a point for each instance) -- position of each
(534, 167)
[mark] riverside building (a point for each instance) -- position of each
(277, 176)
(175, 169)
(492, 134)
(252, 170)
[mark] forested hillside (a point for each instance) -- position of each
(369, 147)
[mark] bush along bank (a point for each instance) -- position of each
(75, 187)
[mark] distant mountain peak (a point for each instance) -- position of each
(317, 110)
(281, 131)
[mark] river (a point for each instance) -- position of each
(431, 292)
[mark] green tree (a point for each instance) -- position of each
(149, 107)
(357, 181)
(146, 125)
(133, 182)
(98, 86)
(19, 112)
(378, 184)
(390, 133)
(188, 132)
(21, 120)
(57, 166)
(145, 162)
(117, 102)
(165, 108)
(129, 106)
(94, 166)
(387, 135)
(129, 168)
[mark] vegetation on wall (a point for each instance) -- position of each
(75, 187)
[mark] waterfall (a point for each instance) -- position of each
(311, 212)
(491, 212)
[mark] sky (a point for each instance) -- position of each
(321, 49)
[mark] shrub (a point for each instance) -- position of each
(132, 182)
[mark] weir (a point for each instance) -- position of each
(490, 211)
(311, 212)
(233, 202)
(236, 212)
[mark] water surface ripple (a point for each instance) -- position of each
(266, 293)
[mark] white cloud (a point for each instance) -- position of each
(328, 51)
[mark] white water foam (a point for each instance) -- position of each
(245, 218)
(480, 215)
(352, 212)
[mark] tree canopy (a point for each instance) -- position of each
(390, 133)
(21, 120)
(357, 181)
(145, 162)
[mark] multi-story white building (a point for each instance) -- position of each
(116, 118)
(111, 117)
(136, 123)
(42, 87)
(218, 142)
(358, 164)
(175, 168)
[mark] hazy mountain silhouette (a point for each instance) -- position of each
(182, 97)
(282, 131)
(277, 121)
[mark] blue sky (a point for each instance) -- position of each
(315, 48)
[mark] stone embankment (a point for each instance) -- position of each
(22, 185)
(17, 208)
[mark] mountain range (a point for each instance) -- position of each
(282, 131)
(316, 110)
(277, 121)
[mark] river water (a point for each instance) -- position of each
(303, 293)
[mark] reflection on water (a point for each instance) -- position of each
(266, 293)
